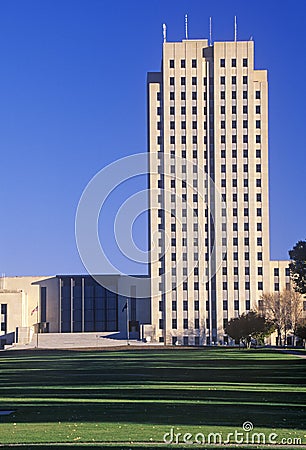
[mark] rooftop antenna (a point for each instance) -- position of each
(165, 32)
(186, 26)
(235, 27)
(210, 32)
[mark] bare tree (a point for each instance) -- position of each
(284, 309)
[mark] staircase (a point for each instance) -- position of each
(74, 340)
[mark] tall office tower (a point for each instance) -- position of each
(209, 214)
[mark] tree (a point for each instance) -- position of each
(298, 266)
(284, 309)
(247, 327)
(301, 331)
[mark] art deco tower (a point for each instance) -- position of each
(209, 213)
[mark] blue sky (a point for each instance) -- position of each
(73, 99)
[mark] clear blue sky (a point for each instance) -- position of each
(73, 99)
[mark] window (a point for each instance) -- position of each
(245, 80)
(245, 95)
(172, 139)
(222, 80)
(247, 286)
(234, 124)
(224, 285)
(234, 167)
(247, 271)
(194, 96)
(234, 153)
(246, 212)
(234, 62)
(194, 110)
(247, 305)
(194, 154)
(171, 81)
(246, 226)
(259, 226)
(183, 125)
(174, 323)
(257, 95)
(171, 95)
(194, 139)
(194, 81)
(234, 139)
(235, 212)
(194, 125)
(172, 125)
(183, 63)
(234, 182)
(245, 167)
(259, 256)
(222, 153)
(171, 63)
(245, 182)
(222, 124)
(222, 139)
(245, 153)
(258, 212)
(246, 256)
(183, 110)
(258, 153)
(183, 96)
(194, 63)
(235, 241)
(245, 62)
(158, 96)
(245, 138)
(171, 110)
(258, 197)
(257, 109)
(276, 271)
(234, 79)
(258, 182)
(196, 305)
(183, 139)
(258, 124)
(161, 324)
(222, 95)
(259, 241)
(258, 168)
(236, 305)
(196, 323)
(259, 270)
(287, 272)
(183, 81)
(236, 285)
(234, 109)
(224, 305)
(234, 95)
(222, 109)
(222, 62)
(235, 256)
(245, 124)
(245, 109)
(260, 285)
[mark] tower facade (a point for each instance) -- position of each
(209, 212)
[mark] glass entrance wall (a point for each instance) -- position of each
(86, 306)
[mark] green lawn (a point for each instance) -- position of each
(128, 399)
